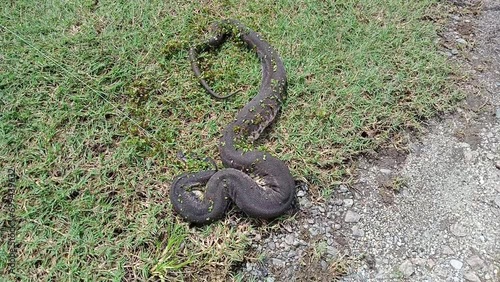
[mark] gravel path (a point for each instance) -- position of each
(430, 215)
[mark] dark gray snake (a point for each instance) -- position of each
(258, 183)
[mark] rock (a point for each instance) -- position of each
(458, 230)
(406, 268)
(470, 155)
(454, 51)
(471, 276)
(385, 171)
(351, 216)
(290, 239)
(475, 262)
(498, 113)
(301, 193)
(418, 261)
(324, 265)
(456, 264)
(461, 41)
(338, 202)
(348, 202)
(278, 263)
(447, 250)
(357, 232)
(331, 251)
(271, 245)
(430, 263)
(497, 200)
(343, 189)
(497, 164)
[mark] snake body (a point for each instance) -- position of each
(258, 183)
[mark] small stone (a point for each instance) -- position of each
(458, 230)
(277, 262)
(456, 264)
(337, 226)
(475, 262)
(313, 231)
(454, 51)
(343, 189)
(471, 276)
(348, 202)
(324, 265)
(301, 193)
(385, 170)
(430, 263)
(406, 268)
(338, 202)
(290, 239)
(321, 209)
(461, 41)
(498, 113)
(351, 216)
(357, 232)
(469, 156)
(331, 251)
(418, 261)
(447, 250)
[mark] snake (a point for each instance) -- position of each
(258, 183)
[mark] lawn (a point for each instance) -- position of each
(97, 98)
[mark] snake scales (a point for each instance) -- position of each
(258, 183)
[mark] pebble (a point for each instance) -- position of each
(277, 262)
(385, 170)
(497, 200)
(338, 202)
(447, 250)
(458, 230)
(343, 189)
(357, 232)
(456, 264)
(331, 251)
(348, 202)
(454, 51)
(461, 41)
(301, 193)
(498, 113)
(290, 239)
(406, 268)
(471, 276)
(475, 262)
(351, 216)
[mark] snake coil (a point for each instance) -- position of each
(258, 183)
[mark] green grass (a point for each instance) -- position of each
(97, 97)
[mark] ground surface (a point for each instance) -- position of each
(98, 97)
(430, 215)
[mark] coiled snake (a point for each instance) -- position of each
(258, 183)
